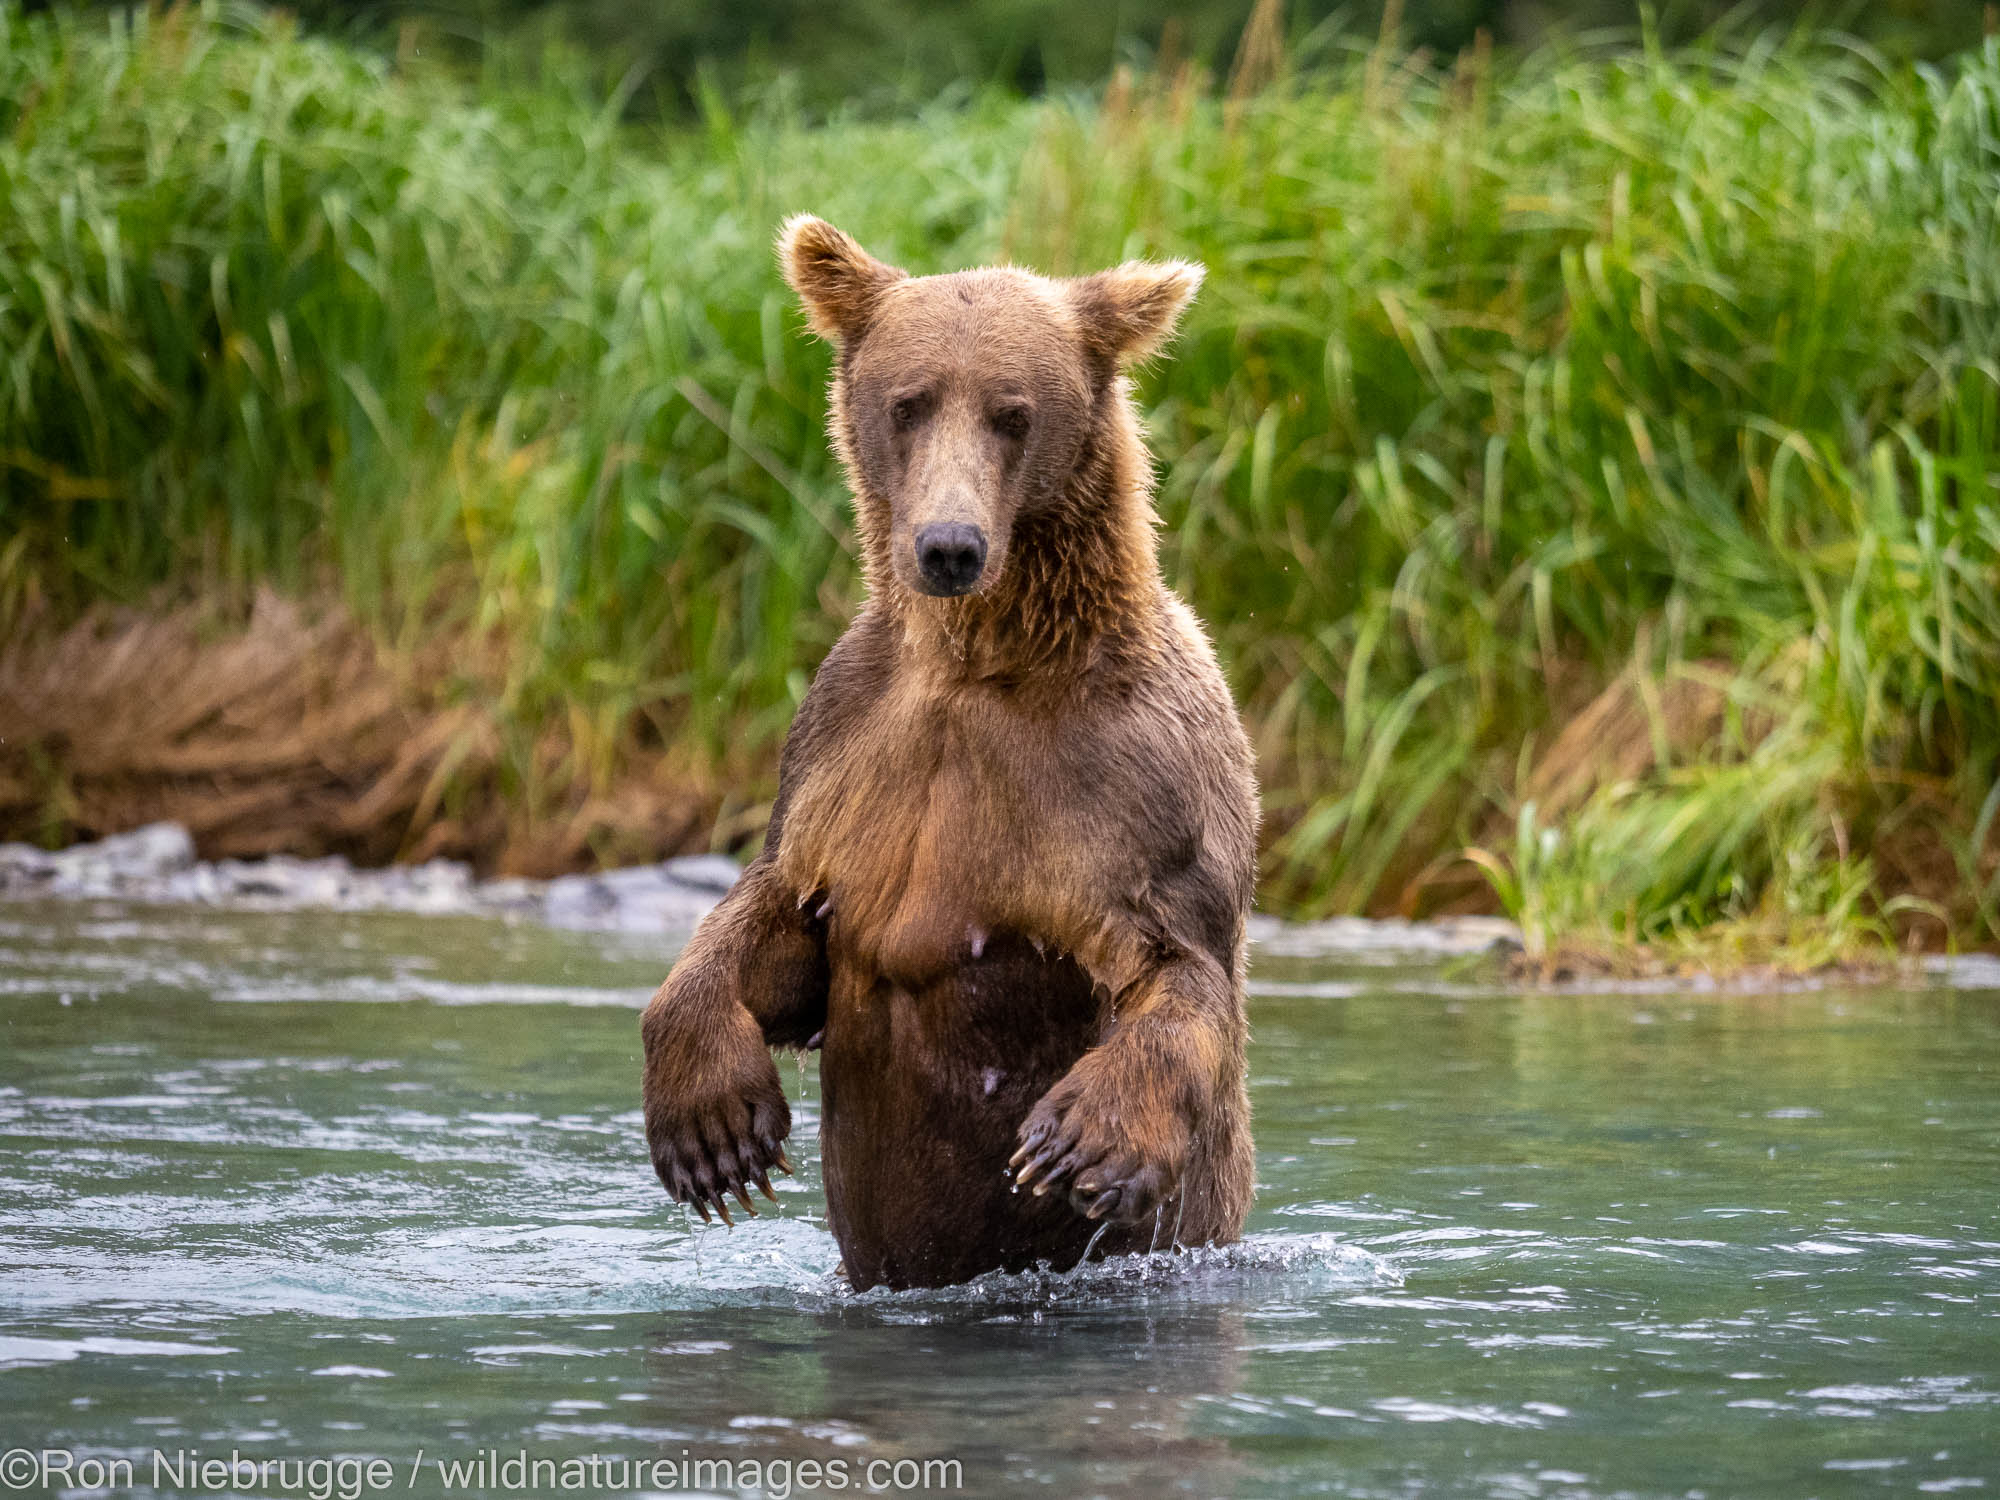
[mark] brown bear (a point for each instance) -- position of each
(1005, 882)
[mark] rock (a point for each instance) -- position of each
(25, 869)
(146, 853)
(639, 898)
(575, 901)
(510, 896)
(142, 858)
(714, 873)
(1366, 937)
(124, 861)
(441, 887)
(265, 877)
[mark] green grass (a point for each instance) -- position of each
(1511, 381)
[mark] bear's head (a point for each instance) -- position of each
(966, 405)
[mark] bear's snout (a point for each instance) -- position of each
(950, 557)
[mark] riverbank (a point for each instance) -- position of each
(157, 866)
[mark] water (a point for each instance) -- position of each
(372, 1187)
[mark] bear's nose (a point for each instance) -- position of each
(950, 557)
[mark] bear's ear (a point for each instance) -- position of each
(1129, 311)
(836, 279)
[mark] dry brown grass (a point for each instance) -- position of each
(1636, 725)
(295, 732)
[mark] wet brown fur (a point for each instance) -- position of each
(1013, 850)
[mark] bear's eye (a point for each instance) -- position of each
(907, 412)
(1012, 422)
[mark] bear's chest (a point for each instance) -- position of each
(931, 828)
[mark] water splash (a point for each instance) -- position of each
(1261, 1267)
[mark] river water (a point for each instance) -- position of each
(372, 1188)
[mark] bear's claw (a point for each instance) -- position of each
(1103, 1203)
(1094, 1159)
(707, 1150)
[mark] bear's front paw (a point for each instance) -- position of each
(1110, 1151)
(716, 1125)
